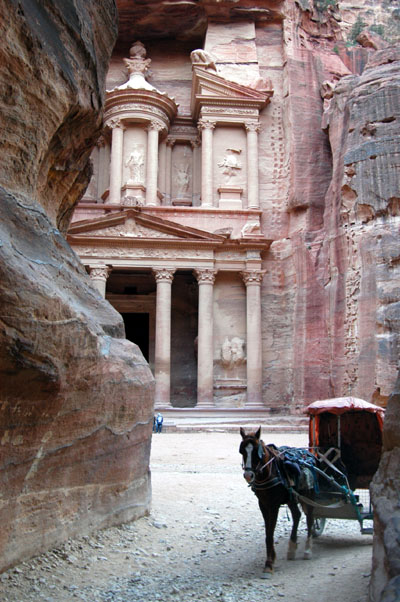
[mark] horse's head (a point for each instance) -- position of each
(253, 452)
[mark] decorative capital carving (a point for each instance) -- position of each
(206, 124)
(115, 123)
(171, 142)
(195, 143)
(205, 275)
(252, 127)
(252, 276)
(164, 274)
(155, 126)
(100, 272)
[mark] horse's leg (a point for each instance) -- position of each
(270, 515)
(309, 510)
(296, 514)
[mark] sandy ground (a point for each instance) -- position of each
(204, 540)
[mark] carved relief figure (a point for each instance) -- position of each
(182, 178)
(135, 164)
(230, 165)
(232, 352)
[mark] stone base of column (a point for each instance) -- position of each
(133, 191)
(230, 197)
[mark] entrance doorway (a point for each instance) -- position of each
(137, 330)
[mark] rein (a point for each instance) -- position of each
(269, 482)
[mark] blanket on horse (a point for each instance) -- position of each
(298, 466)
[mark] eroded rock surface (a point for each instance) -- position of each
(75, 396)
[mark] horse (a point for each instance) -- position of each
(265, 473)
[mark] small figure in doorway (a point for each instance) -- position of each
(159, 422)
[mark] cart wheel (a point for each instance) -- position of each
(318, 526)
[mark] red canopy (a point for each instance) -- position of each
(340, 405)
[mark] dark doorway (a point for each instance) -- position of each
(137, 331)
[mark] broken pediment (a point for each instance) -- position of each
(210, 90)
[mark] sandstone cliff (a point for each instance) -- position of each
(75, 396)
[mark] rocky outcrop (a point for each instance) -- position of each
(385, 579)
(75, 396)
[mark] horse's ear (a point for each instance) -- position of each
(242, 432)
(258, 433)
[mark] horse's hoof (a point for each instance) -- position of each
(307, 555)
(266, 574)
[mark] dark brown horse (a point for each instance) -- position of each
(265, 473)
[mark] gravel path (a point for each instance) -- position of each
(204, 540)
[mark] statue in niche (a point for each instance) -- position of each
(135, 165)
(182, 178)
(230, 165)
(232, 352)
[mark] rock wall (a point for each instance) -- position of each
(75, 396)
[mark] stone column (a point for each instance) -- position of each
(205, 338)
(196, 174)
(206, 127)
(162, 169)
(168, 170)
(152, 163)
(162, 360)
(101, 176)
(117, 143)
(252, 280)
(253, 201)
(99, 275)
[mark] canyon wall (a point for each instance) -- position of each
(75, 396)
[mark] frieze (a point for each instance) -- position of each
(134, 106)
(229, 111)
(134, 253)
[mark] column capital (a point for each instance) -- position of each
(252, 276)
(252, 126)
(115, 123)
(206, 124)
(155, 126)
(100, 272)
(195, 143)
(170, 142)
(205, 275)
(164, 274)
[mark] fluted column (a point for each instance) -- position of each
(206, 127)
(253, 201)
(205, 338)
(117, 143)
(253, 280)
(164, 277)
(152, 163)
(99, 275)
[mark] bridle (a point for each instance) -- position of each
(258, 481)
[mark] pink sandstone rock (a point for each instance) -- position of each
(76, 397)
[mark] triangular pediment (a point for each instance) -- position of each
(208, 88)
(136, 224)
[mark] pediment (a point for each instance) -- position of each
(208, 88)
(135, 224)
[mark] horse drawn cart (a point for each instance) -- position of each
(345, 435)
